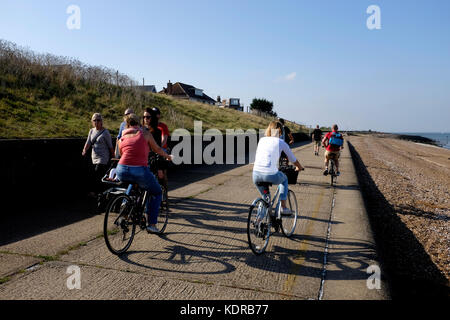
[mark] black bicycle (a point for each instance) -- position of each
(157, 162)
(332, 172)
(124, 212)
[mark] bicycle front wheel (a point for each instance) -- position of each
(288, 223)
(258, 227)
(118, 227)
(163, 215)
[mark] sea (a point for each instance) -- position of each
(442, 138)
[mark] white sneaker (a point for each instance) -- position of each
(152, 229)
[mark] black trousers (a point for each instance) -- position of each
(99, 172)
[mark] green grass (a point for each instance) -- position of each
(47, 258)
(4, 280)
(41, 101)
(22, 117)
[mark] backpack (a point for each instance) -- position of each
(336, 139)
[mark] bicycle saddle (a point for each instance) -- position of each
(264, 184)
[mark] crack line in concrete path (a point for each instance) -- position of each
(297, 262)
(327, 242)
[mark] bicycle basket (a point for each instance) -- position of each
(291, 174)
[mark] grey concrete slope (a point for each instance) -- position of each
(204, 253)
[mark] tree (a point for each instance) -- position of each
(263, 105)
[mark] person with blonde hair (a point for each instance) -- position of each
(265, 168)
(134, 146)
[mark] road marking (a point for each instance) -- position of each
(297, 262)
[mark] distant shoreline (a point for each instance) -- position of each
(402, 136)
(415, 138)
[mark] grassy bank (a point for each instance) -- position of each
(45, 96)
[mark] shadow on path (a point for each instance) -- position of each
(217, 253)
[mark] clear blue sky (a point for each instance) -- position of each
(316, 60)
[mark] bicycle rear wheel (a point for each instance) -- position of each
(163, 215)
(118, 227)
(332, 171)
(258, 227)
(288, 223)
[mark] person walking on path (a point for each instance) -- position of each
(316, 138)
(100, 140)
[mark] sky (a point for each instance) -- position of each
(316, 60)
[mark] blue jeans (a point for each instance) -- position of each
(147, 181)
(277, 178)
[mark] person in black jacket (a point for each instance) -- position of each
(316, 138)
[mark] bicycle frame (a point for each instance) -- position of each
(140, 200)
(270, 201)
(333, 171)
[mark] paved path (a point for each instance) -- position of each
(204, 253)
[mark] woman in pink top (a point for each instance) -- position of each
(134, 146)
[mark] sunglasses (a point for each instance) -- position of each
(147, 117)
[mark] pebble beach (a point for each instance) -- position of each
(407, 190)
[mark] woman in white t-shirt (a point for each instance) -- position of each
(267, 157)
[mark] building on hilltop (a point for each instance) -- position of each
(185, 91)
(232, 103)
(147, 88)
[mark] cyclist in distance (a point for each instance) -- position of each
(334, 143)
(267, 156)
(134, 147)
(286, 134)
(316, 138)
(287, 137)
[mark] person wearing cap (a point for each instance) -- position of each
(100, 140)
(121, 128)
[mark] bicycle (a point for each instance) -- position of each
(156, 162)
(332, 172)
(124, 212)
(332, 169)
(261, 220)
